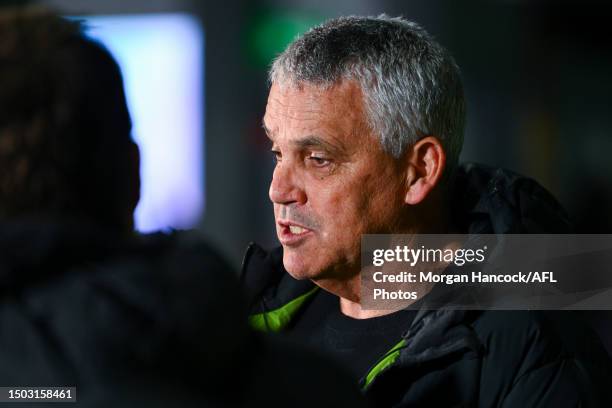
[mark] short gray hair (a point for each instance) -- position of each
(411, 85)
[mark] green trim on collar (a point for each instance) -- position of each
(388, 359)
(277, 320)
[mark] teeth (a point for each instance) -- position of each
(296, 230)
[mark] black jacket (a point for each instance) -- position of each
(451, 358)
(126, 321)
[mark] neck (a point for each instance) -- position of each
(354, 310)
(349, 292)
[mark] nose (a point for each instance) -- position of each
(286, 187)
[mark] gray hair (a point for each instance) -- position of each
(411, 85)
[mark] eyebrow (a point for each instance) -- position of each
(308, 141)
(317, 142)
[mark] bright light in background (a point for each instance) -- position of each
(161, 58)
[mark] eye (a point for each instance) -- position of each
(318, 161)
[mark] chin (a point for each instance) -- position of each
(299, 267)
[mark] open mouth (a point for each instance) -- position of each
(294, 229)
(292, 234)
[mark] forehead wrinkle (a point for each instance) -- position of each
(330, 138)
(282, 119)
(307, 108)
(331, 118)
(299, 115)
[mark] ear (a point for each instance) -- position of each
(425, 165)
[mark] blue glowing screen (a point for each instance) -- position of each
(161, 58)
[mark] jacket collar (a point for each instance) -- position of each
(267, 284)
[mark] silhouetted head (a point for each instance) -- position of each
(65, 146)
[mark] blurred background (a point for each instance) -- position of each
(537, 76)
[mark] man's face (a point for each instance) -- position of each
(332, 181)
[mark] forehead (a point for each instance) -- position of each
(335, 111)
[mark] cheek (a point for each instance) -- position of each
(367, 206)
(343, 210)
